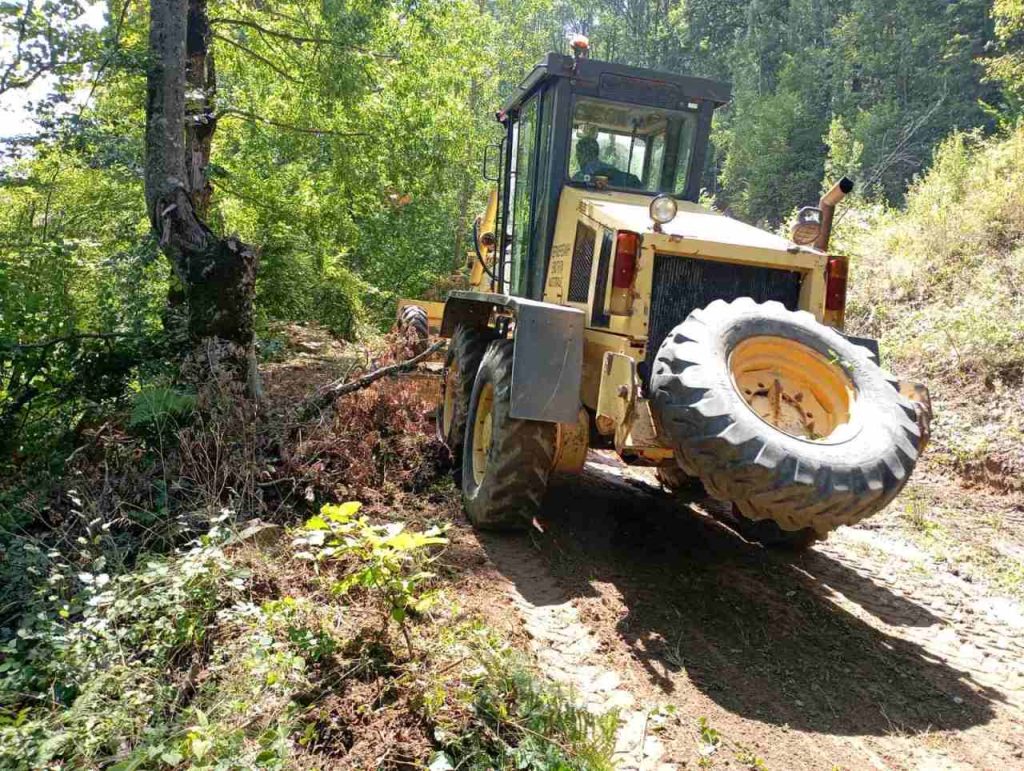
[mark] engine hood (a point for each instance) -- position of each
(695, 229)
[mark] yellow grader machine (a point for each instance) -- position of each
(607, 308)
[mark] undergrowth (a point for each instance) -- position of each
(161, 607)
(231, 654)
(941, 282)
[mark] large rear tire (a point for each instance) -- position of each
(460, 367)
(783, 416)
(505, 462)
(768, 533)
(678, 482)
(763, 531)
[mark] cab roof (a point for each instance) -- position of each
(621, 83)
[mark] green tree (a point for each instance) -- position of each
(1007, 68)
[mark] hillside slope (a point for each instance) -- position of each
(941, 283)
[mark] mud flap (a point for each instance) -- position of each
(547, 366)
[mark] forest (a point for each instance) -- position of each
(186, 580)
(348, 141)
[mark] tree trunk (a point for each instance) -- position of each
(200, 108)
(218, 275)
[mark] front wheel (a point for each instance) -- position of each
(414, 327)
(460, 367)
(506, 462)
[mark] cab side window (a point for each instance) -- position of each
(522, 202)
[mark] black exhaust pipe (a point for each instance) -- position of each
(828, 204)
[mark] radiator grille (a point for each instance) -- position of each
(683, 284)
(582, 262)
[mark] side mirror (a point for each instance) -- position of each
(489, 153)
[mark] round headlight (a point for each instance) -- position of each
(664, 209)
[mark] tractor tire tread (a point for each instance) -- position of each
(466, 350)
(521, 456)
(414, 324)
(749, 462)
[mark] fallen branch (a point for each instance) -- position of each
(329, 393)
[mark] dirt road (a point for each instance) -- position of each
(862, 653)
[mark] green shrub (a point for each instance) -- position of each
(521, 720)
(942, 282)
(90, 668)
(160, 406)
(386, 560)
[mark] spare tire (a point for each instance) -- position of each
(783, 416)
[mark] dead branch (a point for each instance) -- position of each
(332, 391)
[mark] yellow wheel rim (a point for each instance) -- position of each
(482, 432)
(451, 382)
(793, 388)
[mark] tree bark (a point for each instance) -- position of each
(200, 107)
(218, 275)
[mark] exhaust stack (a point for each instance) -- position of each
(828, 204)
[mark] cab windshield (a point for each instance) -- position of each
(630, 147)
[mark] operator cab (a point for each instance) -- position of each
(631, 148)
(594, 125)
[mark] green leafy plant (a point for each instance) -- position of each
(709, 740)
(159, 405)
(520, 720)
(67, 688)
(750, 760)
(386, 559)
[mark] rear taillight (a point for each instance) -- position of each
(627, 247)
(836, 273)
(627, 252)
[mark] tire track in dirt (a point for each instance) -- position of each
(848, 655)
(893, 585)
(568, 651)
(975, 632)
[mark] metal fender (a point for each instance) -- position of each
(547, 364)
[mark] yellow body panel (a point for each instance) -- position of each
(618, 392)
(695, 232)
(478, 278)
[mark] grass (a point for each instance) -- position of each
(965, 532)
(941, 283)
